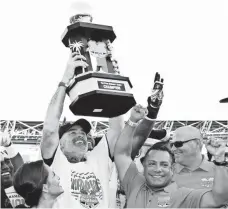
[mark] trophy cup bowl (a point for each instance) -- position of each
(99, 90)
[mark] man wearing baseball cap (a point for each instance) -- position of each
(84, 175)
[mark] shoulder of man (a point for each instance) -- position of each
(207, 165)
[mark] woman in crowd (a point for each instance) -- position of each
(37, 184)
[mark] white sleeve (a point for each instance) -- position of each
(100, 154)
(62, 168)
(113, 185)
(39, 155)
(101, 150)
(59, 162)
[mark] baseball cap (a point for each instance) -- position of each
(186, 133)
(85, 124)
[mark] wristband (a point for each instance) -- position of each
(152, 112)
(62, 84)
(132, 124)
(150, 119)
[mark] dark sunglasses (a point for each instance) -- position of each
(179, 144)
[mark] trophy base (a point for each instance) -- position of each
(100, 95)
(102, 104)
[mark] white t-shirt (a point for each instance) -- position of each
(113, 187)
(15, 199)
(85, 184)
(116, 198)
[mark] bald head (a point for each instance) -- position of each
(186, 133)
(186, 144)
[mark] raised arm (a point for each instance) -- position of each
(116, 126)
(140, 136)
(218, 196)
(146, 125)
(123, 148)
(50, 138)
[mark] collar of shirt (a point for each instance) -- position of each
(170, 188)
(205, 165)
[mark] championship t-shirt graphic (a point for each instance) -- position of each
(207, 182)
(163, 201)
(120, 196)
(15, 199)
(86, 189)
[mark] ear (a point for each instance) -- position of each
(61, 145)
(199, 143)
(45, 188)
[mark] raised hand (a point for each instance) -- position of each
(138, 112)
(155, 100)
(216, 148)
(75, 60)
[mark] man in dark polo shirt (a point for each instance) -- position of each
(156, 187)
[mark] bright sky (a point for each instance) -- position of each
(186, 41)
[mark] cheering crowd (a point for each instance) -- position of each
(74, 173)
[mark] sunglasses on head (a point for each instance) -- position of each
(178, 144)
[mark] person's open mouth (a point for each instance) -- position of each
(80, 142)
(157, 177)
(5, 174)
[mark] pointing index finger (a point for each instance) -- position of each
(157, 77)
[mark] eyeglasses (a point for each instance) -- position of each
(179, 144)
